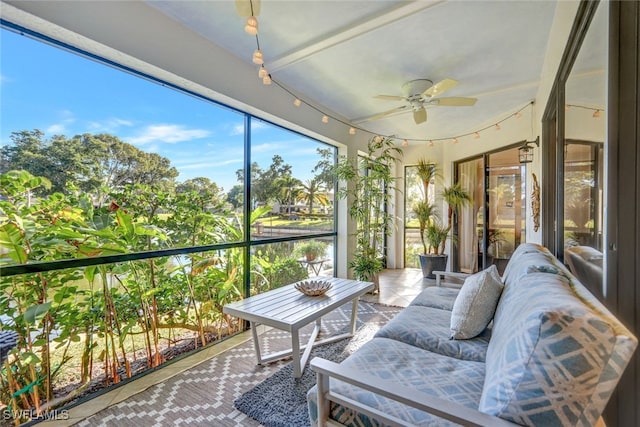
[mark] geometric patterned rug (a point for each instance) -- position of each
(204, 394)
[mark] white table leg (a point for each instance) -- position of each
(295, 353)
(354, 315)
(256, 341)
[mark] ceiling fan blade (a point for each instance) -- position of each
(420, 116)
(455, 101)
(390, 97)
(440, 87)
(386, 113)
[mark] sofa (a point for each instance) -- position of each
(550, 355)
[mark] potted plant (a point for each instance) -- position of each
(369, 185)
(433, 234)
(311, 249)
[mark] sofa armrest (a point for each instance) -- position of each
(440, 274)
(424, 402)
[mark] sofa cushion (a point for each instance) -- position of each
(547, 353)
(436, 297)
(428, 328)
(445, 377)
(476, 303)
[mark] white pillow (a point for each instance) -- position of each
(476, 303)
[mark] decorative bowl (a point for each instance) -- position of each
(313, 288)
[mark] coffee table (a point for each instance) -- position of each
(288, 309)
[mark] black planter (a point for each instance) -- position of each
(431, 262)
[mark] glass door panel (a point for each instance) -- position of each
(506, 206)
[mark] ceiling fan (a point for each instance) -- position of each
(420, 93)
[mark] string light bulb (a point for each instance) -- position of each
(476, 135)
(518, 114)
(455, 140)
(266, 80)
(405, 143)
(251, 26)
(430, 143)
(352, 131)
(297, 102)
(325, 119)
(497, 126)
(258, 58)
(596, 113)
(262, 72)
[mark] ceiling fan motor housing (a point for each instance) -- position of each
(415, 88)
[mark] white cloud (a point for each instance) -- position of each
(167, 133)
(109, 125)
(56, 129)
(66, 118)
(239, 128)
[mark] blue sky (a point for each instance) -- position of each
(60, 93)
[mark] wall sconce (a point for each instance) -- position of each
(525, 153)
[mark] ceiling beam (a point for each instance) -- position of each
(350, 32)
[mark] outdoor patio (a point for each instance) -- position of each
(397, 288)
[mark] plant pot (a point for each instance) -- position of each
(432, 262)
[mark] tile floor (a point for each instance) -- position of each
(397, 287)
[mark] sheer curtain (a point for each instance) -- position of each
(470, 178)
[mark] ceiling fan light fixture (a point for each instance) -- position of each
(325, 119)
(258, 58)
(251, 27)
(352, 131)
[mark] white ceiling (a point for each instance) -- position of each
(339, 54)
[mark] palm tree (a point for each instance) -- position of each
(289, 189)
(427, 172)
(310, 192)
(456, 197)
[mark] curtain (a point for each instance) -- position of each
(470, 178)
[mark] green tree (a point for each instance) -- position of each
(323, 169)
(210, 197)
(94, 164)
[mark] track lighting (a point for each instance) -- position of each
(252, 25)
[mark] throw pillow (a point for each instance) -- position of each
(476, 303)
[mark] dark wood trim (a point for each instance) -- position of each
(623, 197)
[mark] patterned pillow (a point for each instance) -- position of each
(476, 303)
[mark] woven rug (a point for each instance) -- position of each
(204, 395)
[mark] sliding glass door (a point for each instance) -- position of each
(493, 224)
